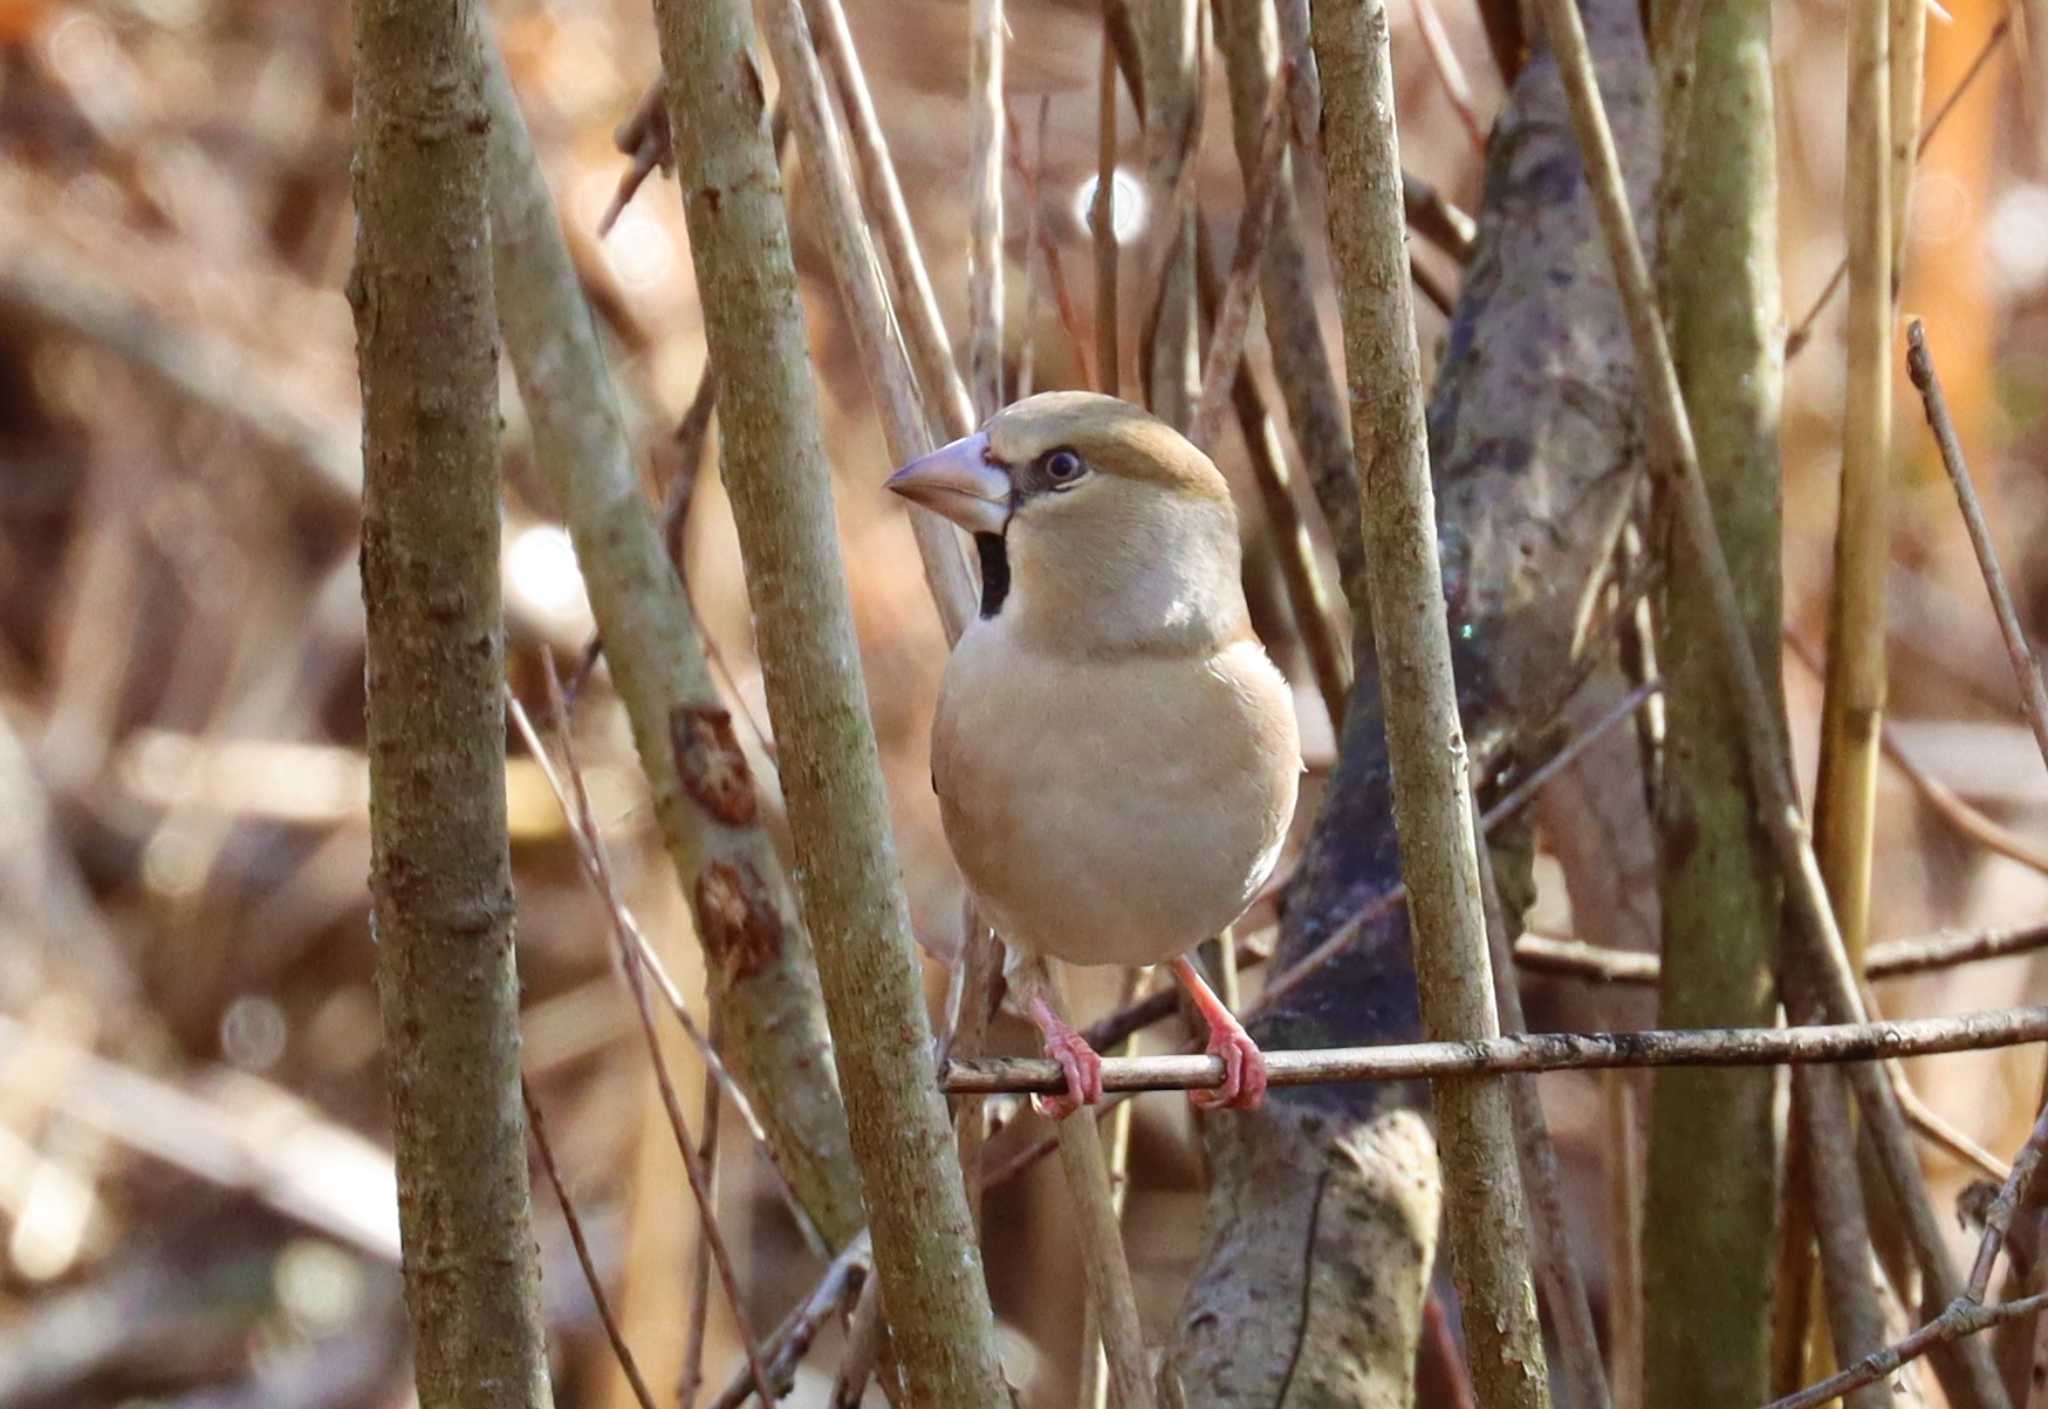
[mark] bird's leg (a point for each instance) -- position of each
(1077, 1059)
(1244, 1066)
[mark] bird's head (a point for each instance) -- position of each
(1096, 522)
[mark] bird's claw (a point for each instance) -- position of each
(1083, 1068)
(1244, 1072)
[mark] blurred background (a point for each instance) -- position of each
(196, 1200)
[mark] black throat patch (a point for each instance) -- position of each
(995, 573)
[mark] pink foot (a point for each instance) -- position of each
(1244, 1066)
(1083, 1067)
(1244, 1072)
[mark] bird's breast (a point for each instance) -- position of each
(1113, 811)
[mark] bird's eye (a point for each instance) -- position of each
(1062, 467)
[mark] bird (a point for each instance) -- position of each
(1116, 757)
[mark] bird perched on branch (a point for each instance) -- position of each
(1115, 756)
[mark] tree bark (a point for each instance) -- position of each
(1710, 1212)
(1431, 792)
(440, 873)
(1534, 445)
(775, 471)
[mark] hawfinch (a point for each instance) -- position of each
(1116, 758)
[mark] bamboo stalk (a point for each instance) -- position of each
(1801, 333)
(776, 474)
(1906, 89)
(1845, 794)
(1450, 74)
(1433, 811)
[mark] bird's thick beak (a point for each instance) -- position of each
(962, 481)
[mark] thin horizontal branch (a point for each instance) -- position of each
(1572, 958)
(1550, 1051)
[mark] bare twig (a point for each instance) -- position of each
(1103, 1262)
(1450, 74)
(629, 961)
(1292, 19)
(863, 1349)
(1234, 311)
(1961, 1319)
(1431, 215)
(693, 435)
(985, 230)
(2025, 670)
(1254, 55)
(1307, 597)
(691, 1376)
(1572, 958)
(1039, 233)
(1557, 1272)
(701, 788)
(1841, 1226)
(620, 916)
(1524, 792)
(643, 136)
(1034, 232)
(1966, 1313)
(891, 379)
(1094, 1354)
(916, 304)
(1998, 1220)
(1500, 812)
(1937, 1131)
(843, 1281)
(1102, 221)
(539, 1126)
